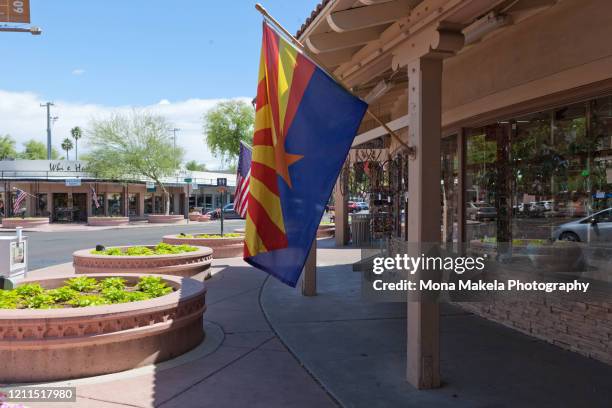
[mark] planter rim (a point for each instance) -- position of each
(194, 237)
(86, 253)
(187, 289)
(25, 219)
(109, 217)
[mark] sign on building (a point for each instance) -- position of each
(221, 182)
(15, 11)
(150, 186)
(76, 182)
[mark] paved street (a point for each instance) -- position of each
(51, 248)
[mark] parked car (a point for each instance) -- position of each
(352, 207)
(362, 206)
(595, 227)
(228, 213)
(478, 211)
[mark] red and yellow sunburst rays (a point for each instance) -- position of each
(283, 76)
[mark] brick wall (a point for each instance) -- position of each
(583, 327)
(579, 326)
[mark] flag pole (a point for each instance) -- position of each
(411, 150)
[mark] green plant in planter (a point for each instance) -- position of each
(9, 299)
(159, 249)
(153, 286)
(217, 236)
(40, 301)
(114, 283)
(28, 290)
(88, 300)
(83, 291)
(83, 284)
(63, 294)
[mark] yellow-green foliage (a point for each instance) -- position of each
(83, 291)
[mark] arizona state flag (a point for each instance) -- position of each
(305, 123)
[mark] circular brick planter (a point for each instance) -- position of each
(165, 219)
(107, 221)
(194, 216)
(24, 222)
(326, 231)
(221, 247)
(60, 344)
(185, 264)
(204, 218)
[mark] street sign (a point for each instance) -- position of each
(15, 11)
(222, 182)
(73, 182)
(188, 180)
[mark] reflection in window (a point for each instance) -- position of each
(115, 207)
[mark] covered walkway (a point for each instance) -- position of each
(357, 350)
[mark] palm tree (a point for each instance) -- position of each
(76, 133)
(67, 146)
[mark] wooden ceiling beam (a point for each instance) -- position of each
(368, 16)
(328, 42)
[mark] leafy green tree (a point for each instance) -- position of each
(67, 146)
(126, 146)
(7, 148)
(35, 150)
(76, 134)
(193, 165)
(226, 125)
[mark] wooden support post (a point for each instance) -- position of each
(424, 217)
(309, 274)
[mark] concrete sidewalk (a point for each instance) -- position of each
(342, 348)
(357, 350)
(241, 363)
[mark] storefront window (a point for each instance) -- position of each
(62, 212)
(2, 205)
(115, 204)
(148, 203)
(133, 204)
(528, 178)
(42, 205)
(449, 185)
(97, 206)
(159, 204)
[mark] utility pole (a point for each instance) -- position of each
(174, 130)
(48, 105)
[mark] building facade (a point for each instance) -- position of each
(65, 192)
(508, 108)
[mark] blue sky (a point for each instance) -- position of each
(98, 57)
(141, 51)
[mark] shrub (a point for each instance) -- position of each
(159, 249)
(29, 289)
(63, 294)
(153, 286)
(88, 300)
(83, 291)
(40, 301)
(115, 283)
(83, 284)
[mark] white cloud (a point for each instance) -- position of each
(22, 117)
(78, 71)
(164, 102)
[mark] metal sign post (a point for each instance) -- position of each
(221, 183)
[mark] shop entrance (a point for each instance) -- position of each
(79, 207)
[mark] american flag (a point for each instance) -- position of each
(21, 195)
(94, 196)
(242, 180)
